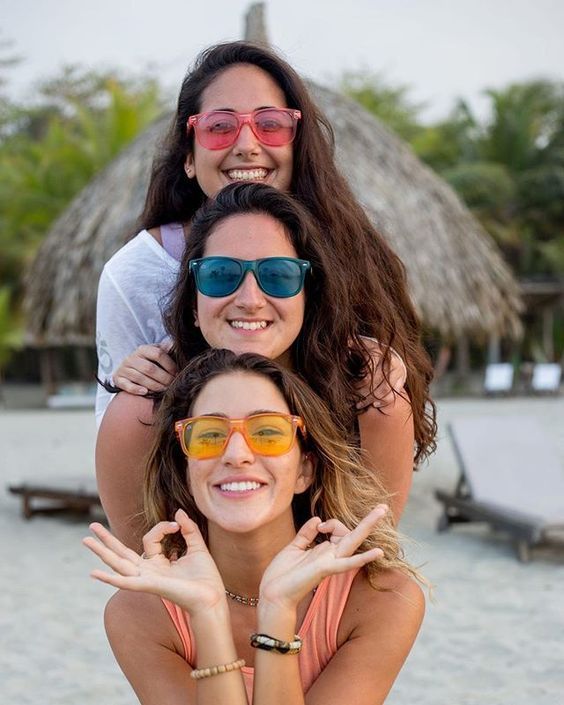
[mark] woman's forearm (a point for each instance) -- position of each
(277, 676)
(215, 647)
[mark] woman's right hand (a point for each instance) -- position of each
(193, 581)
(149, 369)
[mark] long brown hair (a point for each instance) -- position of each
(378, 299)
(342, 487)
(321, 353)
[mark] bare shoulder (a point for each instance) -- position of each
(148, 649)
(398, 604)
(376, 632)
(139, 618)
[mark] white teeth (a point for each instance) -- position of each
(239, 486)
(247, 174)
(248, 325)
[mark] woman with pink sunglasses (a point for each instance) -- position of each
(244, 115)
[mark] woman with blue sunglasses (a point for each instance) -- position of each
(256, 277)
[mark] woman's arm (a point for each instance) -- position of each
(387, 440)
(124, 440)
(295, 571)
(145, 651)
(375, 636)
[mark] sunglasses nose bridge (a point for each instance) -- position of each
(249, 289)
(237, 427)
(246, 136)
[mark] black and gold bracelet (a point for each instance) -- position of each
(269, 643)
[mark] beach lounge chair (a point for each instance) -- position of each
(57, 495)
(510, 478)
(498, 378)
(546, 378)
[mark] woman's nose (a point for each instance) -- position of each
(249, 294)
(237, 450)
(246, 142)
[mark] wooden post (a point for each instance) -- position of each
(494, 349)
(462, 358)
(548, 332)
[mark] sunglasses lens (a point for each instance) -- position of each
(274, 127)
(218, 276)
(205, 437)
(267, 434)
(280, 277)
(217, 130)
(270, 434)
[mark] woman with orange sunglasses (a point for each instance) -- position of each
(227, 603)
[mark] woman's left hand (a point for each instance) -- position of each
(297, 569)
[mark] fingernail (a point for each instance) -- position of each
(173, 523)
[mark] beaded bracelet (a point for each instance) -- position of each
(269, 643)
(199, 673)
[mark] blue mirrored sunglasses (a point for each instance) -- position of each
(281, 277)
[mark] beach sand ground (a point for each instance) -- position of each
(493, 636)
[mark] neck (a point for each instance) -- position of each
(242, 558)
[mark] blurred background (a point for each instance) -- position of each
(449, 125)
(475, 90)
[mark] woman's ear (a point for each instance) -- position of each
(307, 472)
(196, 321)
(189, 166)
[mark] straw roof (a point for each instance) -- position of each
(457, 277)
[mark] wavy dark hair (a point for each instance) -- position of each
(342, 487)
(378, 301)
(321, 353)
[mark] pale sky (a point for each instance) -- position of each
(441, 49)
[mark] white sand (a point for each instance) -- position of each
(494, 635)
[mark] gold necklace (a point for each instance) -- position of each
(242, 599)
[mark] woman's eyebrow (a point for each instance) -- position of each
(251, 413)
(231, 110)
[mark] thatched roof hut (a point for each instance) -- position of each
(458, 279)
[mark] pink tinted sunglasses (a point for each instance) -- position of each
(219, 129)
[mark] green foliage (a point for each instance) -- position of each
(390, 103)
(11, 334)
(49, 150)
(509, 168)
(483, 186)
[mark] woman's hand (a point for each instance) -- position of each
(149, 369)
(376, 388)
(297, 569)
(193, 581)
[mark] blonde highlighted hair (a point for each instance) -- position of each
(342, 488)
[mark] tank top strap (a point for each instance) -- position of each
(172, 236)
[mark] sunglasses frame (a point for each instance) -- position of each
(239, 426)
(250, 265)
(244, 119)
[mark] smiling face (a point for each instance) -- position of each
(241, 88)
(249, 320)
(241, 491)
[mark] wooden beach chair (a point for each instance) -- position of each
(54, 496)
(510, 477)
